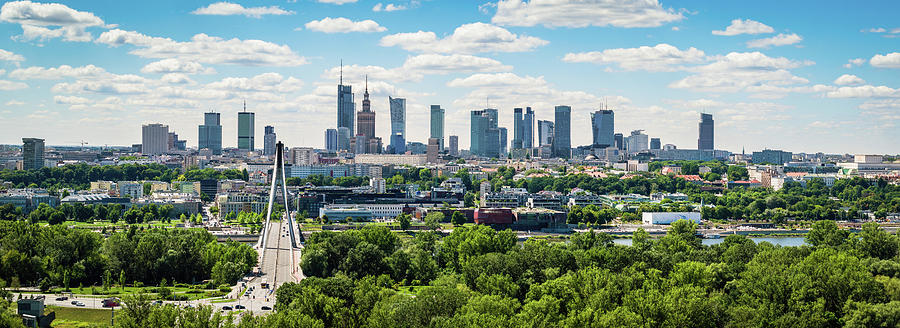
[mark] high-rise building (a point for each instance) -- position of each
(210, 134)
(331, 139)
(154, 139)
(32, 153)
(484, 133)
(174, 143)
(366, 117)
(346, 109)
(246, 129)
(432, 150)
(620, 141)
(398, 124)
(528, 127)
(454, 146)
(545, 132)
(518, 129)
(655, 143)
(603, 128)
(503, 142)
(344, 138)
(269, 141)
(777, 157)
(562, 136)
(437, 125)
(636, 142)
(360, 144)
(706, 141)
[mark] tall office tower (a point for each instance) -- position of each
(346, 109)
(518, 129)
(620, 141)
(366, 117)
(603, 124)
(360, 144)
(636, 142)
(170, 143)
(705, 142)
(655, 143)
(562, 136)
(545, 132)
(32, 153)
(454, 146)
(503, 142)
(528, 126)
(343, 138)
(210, 136)
(154, 139)
(269, 141)
(246, 129)
(437, 125)
(331, 140)
(484, 133)
(398, 124)
(431, 152)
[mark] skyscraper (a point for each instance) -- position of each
(32, 153)
(603, 124)
(154, 139)
(545, 132)
(269, 141)
(655, 143)
(210, 134)
(562, 136)
(437, 125)
(343, 134)
(503, 142)
(454, 146)
(431, 153)
(366, 117)
(484, 133)
(246, 129)
(636, 142)
(706, 141)
(518, 129)
(398, 124)
(528, 126)
(620, 141)
(331, 139)
(346, 109)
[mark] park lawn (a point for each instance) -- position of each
(73, 317)
(117, 291)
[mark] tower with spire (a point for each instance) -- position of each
(345, 113)
(365, 123)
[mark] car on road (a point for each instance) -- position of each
(265, 308)
(239, 307)
(74, 302)
(157, 302)
(62, 298)
(226, 308)
(110, 302)
(79, 303)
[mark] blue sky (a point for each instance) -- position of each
(797, 75)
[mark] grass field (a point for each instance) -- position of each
(75, 317)
(117, 292)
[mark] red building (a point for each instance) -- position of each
(493, 216)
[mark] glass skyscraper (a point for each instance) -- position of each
(331, 139)
(346, 111)
(269, 141)
(210, 133)
(437, 125)
(398, 124)
(246, 130)
(706, 141)
(528, 127)
(503, 141)
(518, 129)
(545, 132)
(484, 133)
(603, 128)
(562, 136)
(32, 153)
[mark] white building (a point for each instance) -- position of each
(131, 189)
(652, 218)
(378, 185)
(303, 156)
(154, 139)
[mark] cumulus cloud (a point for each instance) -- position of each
(864, 91)
(466, 39)
(227, 8)
(662, 57)
(344, 25)
(111, 84)
(737, 71)
(439, 64)
(70, 100)
(172, 65)
(779, 40)
(388, 7)
(10, 85)
(10, 56)
(849, 79)
(891, 60)
(746, 26)
(43, 21)
(854, 62)
(582, 13)
(55, 73)
(261, 82)
(206, 49)
(336, 2)
(496, 80)
(14, 103)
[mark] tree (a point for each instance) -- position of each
(433, 220)
(826, 233)
(404, 220)
(876, 242)
(458, 218)
(122, 280)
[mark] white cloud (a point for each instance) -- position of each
(106, 84)
(736, 114)
(388, 7)
(336, 2)
(747, 26)
(70, 100)
(10, 56)
(176, 78)
(15, 103)
(468, 38)
(864, 91)
(227, 8)
(875, 30)
(55, 73)
(739, 71)
(582, 13)
(10, 85)
(261, 82)
(344, 25)
(439, 64)
(662, 57)
(854, 62)
(849, 79)
(891, 60)
(37, 18)
(206, 49)
(172, 65)
(779, 40)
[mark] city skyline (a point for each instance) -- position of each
(804, 85)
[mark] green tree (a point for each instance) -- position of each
(826, 233)
(433, 220)
(458, 218)
(404, 221)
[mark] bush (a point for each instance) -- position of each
(225, 289)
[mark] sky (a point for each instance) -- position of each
(803, 76)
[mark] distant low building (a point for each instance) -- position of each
(655, 218)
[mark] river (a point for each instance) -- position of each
(781, 241)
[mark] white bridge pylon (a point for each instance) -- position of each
(277, 174)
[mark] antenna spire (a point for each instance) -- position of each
(367, 83)
(245, 105)
(342, 72)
